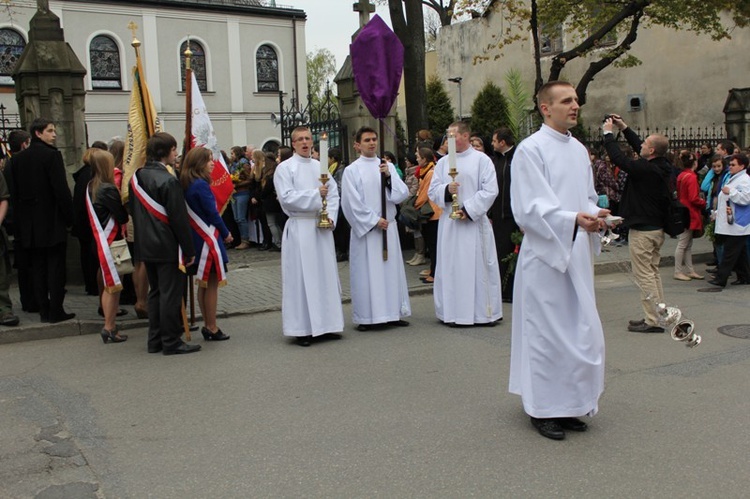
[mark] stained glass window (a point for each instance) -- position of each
(104, 56)
(197, 64)
(267, 65)
(11, 46)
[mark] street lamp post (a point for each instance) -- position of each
(458, 81)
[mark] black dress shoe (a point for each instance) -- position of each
(155, 349)
(61, 318)
(217, 336)
(549, 428)
(303, 341)
(645, 328)
(740, 282)
(399, 323)
(182, 349)
(715, 282)
(572, 424)
(636, 322)
(120, 312)
(363, 327)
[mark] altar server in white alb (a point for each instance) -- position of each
(379, 292)
(311, 292)
(467, 276)
(557, 349)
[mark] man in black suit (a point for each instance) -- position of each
(42, 210)
(162, 228)
(503, 224)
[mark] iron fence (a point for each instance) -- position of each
(679, 138)
(8, 122)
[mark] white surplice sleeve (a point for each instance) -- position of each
(360, 216)
(294, 199)
(537, 210)
(478, 204)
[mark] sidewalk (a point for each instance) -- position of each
(254, 285)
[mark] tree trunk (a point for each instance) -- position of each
(410, 30)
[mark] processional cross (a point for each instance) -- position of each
(365, 8)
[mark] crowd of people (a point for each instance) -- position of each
(473, 201)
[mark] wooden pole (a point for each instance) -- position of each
(382, 193)
(187, 144)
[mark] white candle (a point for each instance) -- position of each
(323, 146)
(451, 151)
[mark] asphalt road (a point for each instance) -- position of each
(414, 412)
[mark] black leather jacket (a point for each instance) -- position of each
(108, 203)
(155, 241)
(645, 199)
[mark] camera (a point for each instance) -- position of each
(607, 116)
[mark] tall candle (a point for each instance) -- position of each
(451, 151)
(323, 146)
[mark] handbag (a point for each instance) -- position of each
(408, 215)
(425, 212)
(121, 256)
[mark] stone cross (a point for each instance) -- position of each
(364, 7)
(42, 5)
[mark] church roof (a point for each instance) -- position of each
(267, 8)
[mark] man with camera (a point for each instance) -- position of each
(644, 204)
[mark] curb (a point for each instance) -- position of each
(39, 331)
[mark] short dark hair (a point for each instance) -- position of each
(39, 125)
(98, 144)
(391, 156)
(335, 154)
(16, 139)
(363, 130)
(159, 146)
(727, 145)
(504, 133)
(741, 159)
(285, 152)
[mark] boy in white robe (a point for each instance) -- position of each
(311, 292)
(467, 275)
(379, 291)
(557, 347)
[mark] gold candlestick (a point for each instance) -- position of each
(455, 215)
(323, 221)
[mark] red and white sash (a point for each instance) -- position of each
(210, 254)
(155, 209)
(104, 237)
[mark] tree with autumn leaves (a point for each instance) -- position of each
(589, 23)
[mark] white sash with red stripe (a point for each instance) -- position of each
(210, 254)
(155, 209)
(104, 237)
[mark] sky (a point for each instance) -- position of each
(331, 24)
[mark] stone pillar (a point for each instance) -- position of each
(737, 116)
(354, 114)
(49, 83)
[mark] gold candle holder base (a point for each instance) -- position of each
(455, 215)
(323, 219)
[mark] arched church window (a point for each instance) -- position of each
(12, 44)
(197, 64)
(104, 56)
(267, 66)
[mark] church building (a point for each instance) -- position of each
(245, 52)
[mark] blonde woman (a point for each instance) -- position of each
(106, 216)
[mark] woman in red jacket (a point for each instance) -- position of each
(688, 194)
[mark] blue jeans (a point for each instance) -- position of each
(239, 207)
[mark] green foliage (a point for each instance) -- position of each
(321, 68)
(440, 112)
(489, 110)
(519, 102)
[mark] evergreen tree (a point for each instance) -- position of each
(440, 112)
(489, 110)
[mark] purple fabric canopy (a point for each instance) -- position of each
(377, 63)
